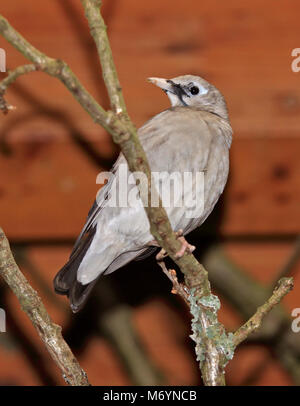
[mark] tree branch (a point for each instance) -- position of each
(246, 294)
(98, 31)
(60, 70)
(178, 288)
(32, 305)
(285, 285)
(10, 78)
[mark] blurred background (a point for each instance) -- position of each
(133, 330)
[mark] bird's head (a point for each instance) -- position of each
(193, 91)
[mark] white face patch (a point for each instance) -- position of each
(202, 90)
(174, 99)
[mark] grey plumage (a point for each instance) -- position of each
(194, 135)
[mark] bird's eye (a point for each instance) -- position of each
(194, 90)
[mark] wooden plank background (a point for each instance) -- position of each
(241, 50)
(51, 152)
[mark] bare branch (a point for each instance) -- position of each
(178, 288)
(11, 77)
(56, 68)
(98, 31)
(285, 285)
(246, 294)
(32, 305)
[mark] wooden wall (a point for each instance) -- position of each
(51, 151)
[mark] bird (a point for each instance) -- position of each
(193, 135)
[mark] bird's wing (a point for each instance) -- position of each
(95, 209)
(98, 204)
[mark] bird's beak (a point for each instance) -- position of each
(164, 84)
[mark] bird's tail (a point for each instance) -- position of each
(66, 283)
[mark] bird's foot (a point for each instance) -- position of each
(185, 245)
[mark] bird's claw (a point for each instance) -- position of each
(185, 245)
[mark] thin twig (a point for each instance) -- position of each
(285, 285)
(32, 305)
(98, 30)
(246, 294)
(60, 70)
(10, 78)
(178, 288)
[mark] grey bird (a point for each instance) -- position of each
(193, 135)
